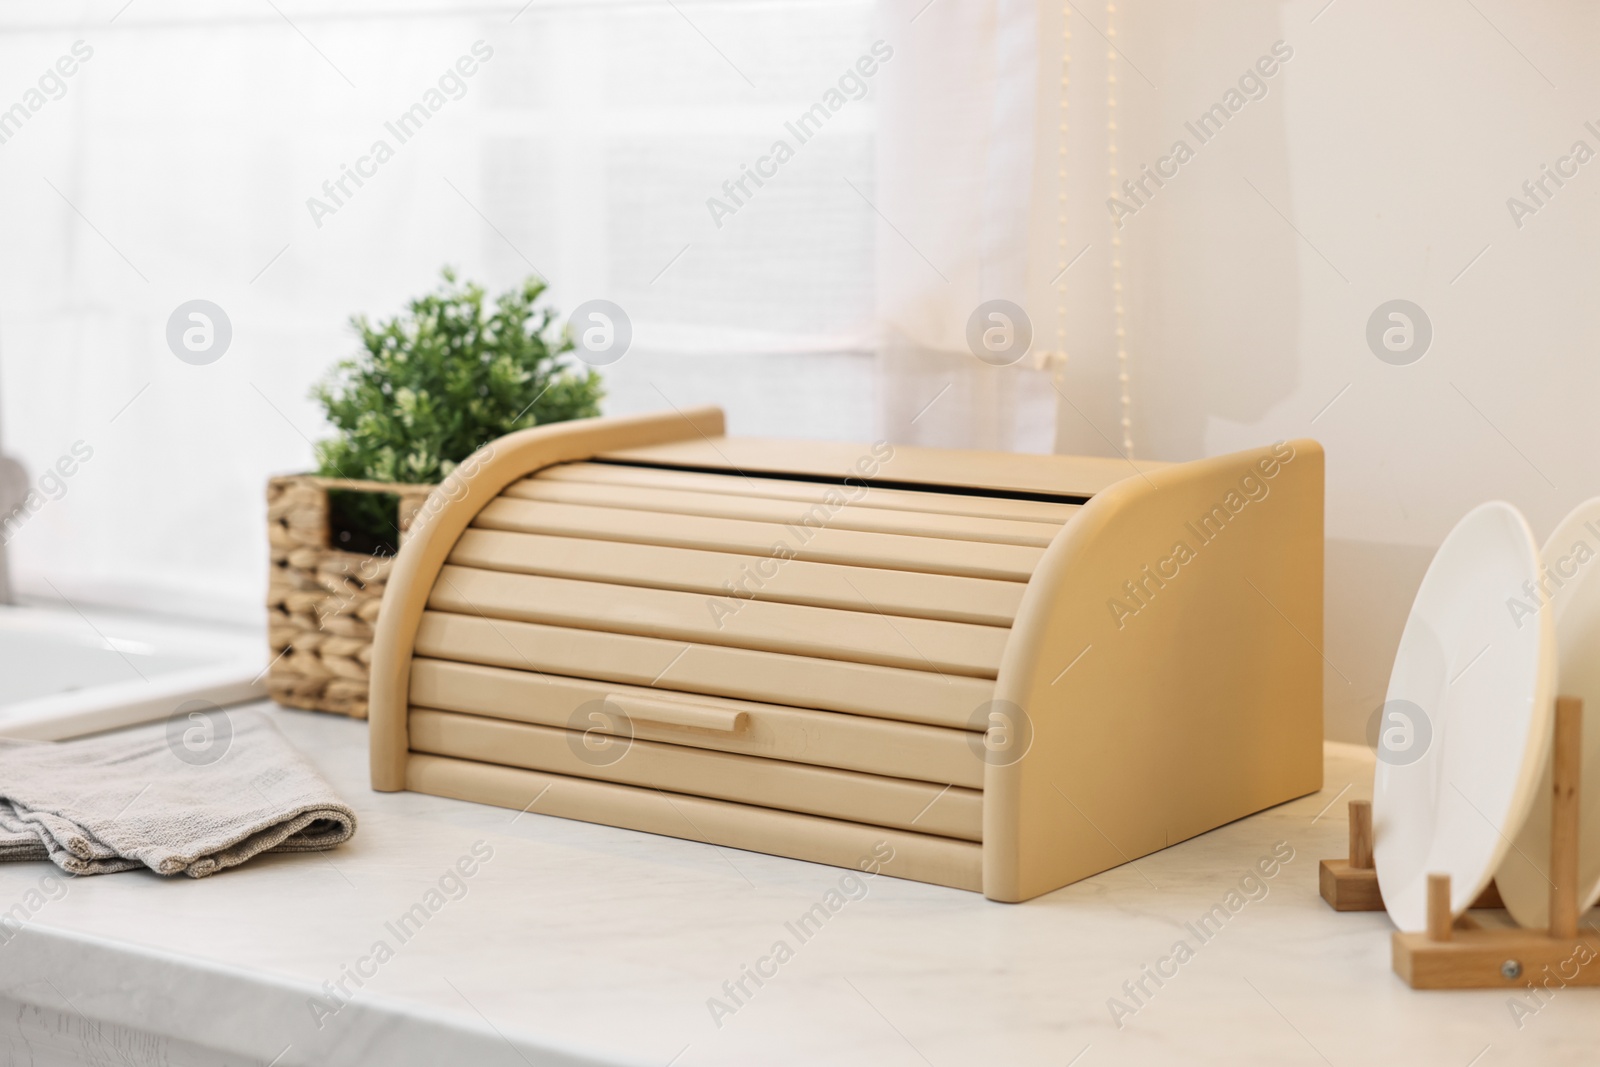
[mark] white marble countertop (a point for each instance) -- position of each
(576, 943)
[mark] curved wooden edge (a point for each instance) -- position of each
(439, 524)
(1168, 691)
(324, 482)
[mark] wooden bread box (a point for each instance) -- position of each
(1007, 672)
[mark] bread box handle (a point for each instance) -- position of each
(683, 716)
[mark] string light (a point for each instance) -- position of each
(1119, 320)
(1059, 362)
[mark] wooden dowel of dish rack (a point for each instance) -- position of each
(1439, 918)
(1361, 834)
(1564, 775)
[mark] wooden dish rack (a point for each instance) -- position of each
(1464, 952)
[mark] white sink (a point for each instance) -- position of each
(66, 672)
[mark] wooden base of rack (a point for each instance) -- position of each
(1496, 959)
(1348, 887)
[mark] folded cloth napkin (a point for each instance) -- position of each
(139, 798)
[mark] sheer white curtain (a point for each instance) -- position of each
(997, 139)
(967, 187)
(175, 163)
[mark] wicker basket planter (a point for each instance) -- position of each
(322, 601)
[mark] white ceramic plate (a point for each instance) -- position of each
(1571, 585)
(1466, 725)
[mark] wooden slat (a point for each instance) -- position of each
(1566, 769)
(919, 857)
(896, 802)
(768, 677)
(889, 551)
(1005, 471)
(734, 578)
(812, 492)
(825, 738)
(827, 633)
(837, 514)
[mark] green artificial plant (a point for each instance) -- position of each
(445, 377)
(438, 381)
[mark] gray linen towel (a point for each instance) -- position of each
(140, 798)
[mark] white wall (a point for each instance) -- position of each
(1391, 142)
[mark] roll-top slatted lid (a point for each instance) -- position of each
(792, 585)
